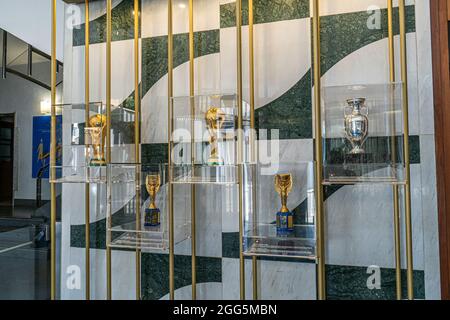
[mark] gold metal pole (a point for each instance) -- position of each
(108, 131)
(408, 222)
(240, 139)
(396, 203)
(321, 290)
(170, 128)
(137, 140)
(87, 203)
(53, 160)
(193, 191)
(252, 131)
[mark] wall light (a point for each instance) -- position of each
(46, 107)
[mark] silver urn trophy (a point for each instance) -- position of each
(356, 124)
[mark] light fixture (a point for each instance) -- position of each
(46, 107)
(182, 5)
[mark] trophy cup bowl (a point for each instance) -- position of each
(356, 125)
(285, 218)
(152, 213)
(215, 119)
(97, 133)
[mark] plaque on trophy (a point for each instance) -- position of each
(285, 218)
(152, 213)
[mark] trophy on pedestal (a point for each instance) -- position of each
(152, 213)
(357, 124)
(285, 218)
(97, 135)
(215, 119)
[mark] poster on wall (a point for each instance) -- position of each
(41, 145)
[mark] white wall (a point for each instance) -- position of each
(30, 20)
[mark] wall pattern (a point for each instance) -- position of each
(359, 222)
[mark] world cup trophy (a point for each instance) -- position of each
(97, 135)
(215, 119)
(357, 125)
(285, 218)
(152, 213)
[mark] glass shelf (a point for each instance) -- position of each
(264, 231)
(264, 241)
(362, 131)
(204, 174)
(129, 188)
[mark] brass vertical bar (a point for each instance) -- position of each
(87, 203)
(251, 50)
(240, 139)
(53, 159)
(396, 203)
(137, 140)
(321, 290)
(170, 128)
(193, 191)
(108, 132)
(408, 220)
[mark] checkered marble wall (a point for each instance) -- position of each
(359, 223)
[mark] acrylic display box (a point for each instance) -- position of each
(129, 195)
(362, 132)
(81, 147)
(263, 235)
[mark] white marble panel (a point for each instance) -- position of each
(359, 225)
(282, 58)
(205, 291)
(154, 19)
(122, 84)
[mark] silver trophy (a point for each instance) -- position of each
(356, 124)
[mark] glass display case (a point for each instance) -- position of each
(362, 130)
(204, 139)
(138, 207)
(280, 217)
(81, 151)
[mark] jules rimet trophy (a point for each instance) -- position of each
(215, 119)
(285, 218)
(357, 124)
(96, 135)
(152, 213)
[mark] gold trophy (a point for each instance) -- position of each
(97, 134)
(152, 213)
(215, 119)
(285, 218)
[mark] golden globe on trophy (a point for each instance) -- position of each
(215, 119)
(285, 218)
(97, 138)
(152, 213)
(357, 124)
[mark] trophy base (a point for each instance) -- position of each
(357, 150)
(98, 163)
(215, 162)
(285, 223)
(152, 217)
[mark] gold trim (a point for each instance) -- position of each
(87, 203)
(240, 146)
(396, 203)
(321, 290)
(408, 219)
(170, 128)
(193, 191)
(108, 132)
(53, 160)
(137, 135)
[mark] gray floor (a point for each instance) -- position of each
(24, 269)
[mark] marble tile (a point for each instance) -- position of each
(265, 11)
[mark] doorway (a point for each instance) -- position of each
(7, 125)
